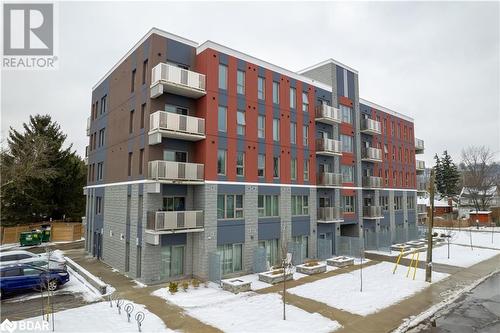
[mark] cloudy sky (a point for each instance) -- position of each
(436, 62)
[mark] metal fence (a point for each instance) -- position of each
(259, 260)
(413, 232)
(214, 267)
(296, 250)
(324, 248)
(349, 246)
(399, 235)
(380, 241)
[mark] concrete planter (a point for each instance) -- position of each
(310, 270)
(340, 261)
(236, 285)
(269, 277)
(399, 247)
(416, 244)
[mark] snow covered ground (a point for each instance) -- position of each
(246, 312)
(100, 317)
(461, 256)
(478, 238)
(380, 288)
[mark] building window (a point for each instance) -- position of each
(143, 115)
(221, 162)
(293, 98)
(176, 109)
(305, 102)
(131, 122)
(222, 119)
(222, 76)
(102, 135)
(410, 202)
(144, 71)
(261, 165)
(261, 127)
(132, 83)
(305, 135)
(272, 248)
(386, 152)
(347, 143)
(293, 133)
(98, 205)
(268, 205)
(346, 114)
(229, 206)
(240, 118)
(276, 167)
(129, 164)
(100, 170)
(348, 204)
(261, 86)
(103, 104)
(303, 243)
(384, 202)
(306, 169)
(276, 92)
(240, 82)
(347, 173)
(300, 205)
(231, 256)
(398, 203)
(141, 160)
(293, 164)
(276, 129)
(240, 164)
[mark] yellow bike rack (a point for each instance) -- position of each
(415, 255)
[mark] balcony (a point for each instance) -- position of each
(176, 80)
(329, 179)
(328, 147)
(372, 182)
(88, 126)
(370, 126)
(419, 146)
(420, 166)
(372, 212)
(328, 114)
(330, 215)
(175, 126)
(176, 172)
(86, 158)
(370, 154)
(159, 223)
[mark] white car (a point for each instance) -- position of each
(26, 257)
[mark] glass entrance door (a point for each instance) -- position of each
(177, 268)
(171, 261)
(165, 259)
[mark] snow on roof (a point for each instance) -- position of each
(437, 203)
(480, 212)
(492, 190)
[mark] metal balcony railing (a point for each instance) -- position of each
(372, 212)
(419, 146)
(420, 166)
(330, 179)
(175, 220)
(176, 126)
(176, 80)
(328, 114)
(330, 214)
(328, 147)
(372, 181)
(370, 126)
(371, 154)
(175, 171)
(88, 126)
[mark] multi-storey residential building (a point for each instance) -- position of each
(203, 159)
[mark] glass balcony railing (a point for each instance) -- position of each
(370, 154)
(370, 126)
(175, 171)
(176, 126)
(328, 147)
(330, 179)
(175, 220)
(328, 114)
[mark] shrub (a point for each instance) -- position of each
(185, 285)
(277, 271)
(195, 283)
(173, 287)
(311, 263)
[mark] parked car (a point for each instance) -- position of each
(26, 257)
(21, 277)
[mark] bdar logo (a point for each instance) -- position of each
(7, 326)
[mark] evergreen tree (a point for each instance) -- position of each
(40, 178)
(447, 175)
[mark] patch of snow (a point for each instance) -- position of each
(139, 284)
(461, 256)
(343, 291)
(479, 238)
(196, 297)
(100, 317)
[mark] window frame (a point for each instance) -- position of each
(222, 167)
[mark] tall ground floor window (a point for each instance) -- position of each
(171, 261)
(303, 242)
(272, 251)
(231, 256)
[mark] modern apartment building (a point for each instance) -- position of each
(203, 159)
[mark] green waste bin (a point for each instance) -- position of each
(30, 238)
(46, 233)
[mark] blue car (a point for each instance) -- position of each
(21, 277)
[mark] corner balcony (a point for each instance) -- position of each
(175, 126)
(86, 158)
(330, 215)
(328, 147)
(371, 154)
(420, 167)
(176, 172)
(176, 80)
(419, 146)
(372, 182)
(329, 179)
(370, 126)
(372, 212)
(88, 126)
(172, 222)
(328, 114)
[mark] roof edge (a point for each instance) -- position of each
(386, 110)
(325, 62)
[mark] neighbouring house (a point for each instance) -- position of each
(482, 218)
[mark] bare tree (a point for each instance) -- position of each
(479, 175)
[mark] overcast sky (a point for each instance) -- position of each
(436, 62)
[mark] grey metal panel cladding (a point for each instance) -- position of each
(340, 81)
(386, 220)
(269, 190)
(241, 145)
(223, 58)
(300, 226)
(173, 239)
(178, 100)
(229, 232)
(172, 190)
(179, 145)
(242, 65)
(369, 225)
(350, 84)
(325, 228)
(324, 128)
(99, 219)
(323, 95)
(300, 191)
(269, 228)
(231, 189)
(180, 53)
(399, 216)
(222, 98)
